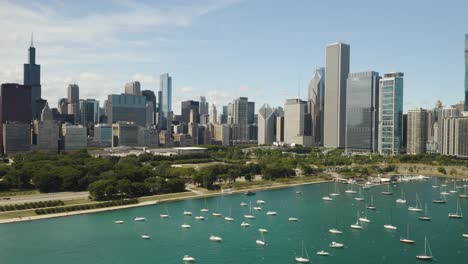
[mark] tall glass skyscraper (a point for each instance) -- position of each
(391, 114)
(165, 99)
(315, 103)
(466, 72)
(362, 104)
(32, 77)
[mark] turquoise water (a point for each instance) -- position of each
(94, 238)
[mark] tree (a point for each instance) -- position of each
(47, 182)
(442, 170)
(97, 189)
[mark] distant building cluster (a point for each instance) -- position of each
(361, 112)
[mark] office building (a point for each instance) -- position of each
(295, 111)
(74, 102)
(266, 125)
(89, 111)
(213, 114)
(16, 137)
(417, 131)
(165, 99)
(240, 118)
(46, 132)
(316, 102)
(222, 134)
(390, 140)
(362, 104)
(127, 108)
(125, 134)
(336, 73)
(32, 77)
(73, 137)
(455, 136)
(148, 137)
(280, 128)
(151, 97)
(103, 135)
(203, 106)
(251, 113)
(15, 106)
(444, 131)
(62, 106)
(187, 107)
(466, 72)
(133, 88)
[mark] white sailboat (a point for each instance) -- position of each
(357, 224)
(271, 213)
(426, 216)
(249, 215)
(387, 192)
(360, 197)
(441, 200)
(402, 199)
(464, 195)
(336, 192)
(261, 242)
(406, 240)
(243, 204)
(165, 215)
(390, 226)
(185, 226)
(323, 253)
(435, 184)
(335, 231)
(364, 219)
(334, 244)
(260, 202)
(454, 190)
(205, 209)
(371, 206)
(425, 256)
(215, 238)
(303, 259)
(443, 189)
(188, 213)
(199, 217)
(145, 236)
(119, 222)
(229, 218)
(188, 258)
(417, 206)
(293, 219)
(139, 219)
(458, 214)
(465, 235)
(245, 224)
(327, 198)
(257, 208)
(351, 191)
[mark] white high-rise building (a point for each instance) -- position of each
(266, 125)
(133, 88)
(417, 131)
(213, 114)
(336, 73)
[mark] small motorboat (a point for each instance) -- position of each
(187, 213)
(145, 236)
(216, 238)
(243, 204)
(263, 230)
(334, 244)
(227, 218)
(119, 222)
(335, 231)
(245, 224)
(257, 208)
(323, 253)
(271, 213)
(185, 226)
(216, 214)
(188, 258)
(199, 217)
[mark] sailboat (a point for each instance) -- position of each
(426, 247)
(145, 236)
(188, 258)
(390, 226)
(387, 192)
(243, 204)
(187, 213)
(245, 224)
(327, 197)
(250, 215)
(465, 235)
(261, 241)
(271, 213)
(454, 190)
(464, 195)
(166, 215)
(458, 214)
(185, 226)
(361, 197)
(441, 200)
(406, 240)
(435, 185)
(229, 218)
(352, 191)
(364, 219)
(139, 219)
(443, 189)
(334, 244)
(402, 199)
(357, 224)
(119, 222)
(371, 205)
(323, 253)
(335, 231)
(215, 238)
(417, 207)
(336, 192)
(426, 216)
(303, 259)
(205, 209)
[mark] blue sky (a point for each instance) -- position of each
(264, 49)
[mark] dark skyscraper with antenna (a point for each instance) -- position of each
(466, 72)
(32, 77)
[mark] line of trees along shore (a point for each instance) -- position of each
(110, 178)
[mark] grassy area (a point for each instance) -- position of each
(197, 165)
(18, 193)
(77, 201)
(15, 214)
(165, 196)
(267, 183)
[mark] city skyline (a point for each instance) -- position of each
(64, 61)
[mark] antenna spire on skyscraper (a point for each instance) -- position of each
(32, 39)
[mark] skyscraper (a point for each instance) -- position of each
(336, 73)
(251, 113)
(32, 77)
(151, 97)
(240, 118)
(315, 103)
(295, 111)
(187, 107)
(133, 88)
(362, 103)
(126, 108)
(89, 111)
(417, 131)
(203, 106)
(74, 101)
(165, 99)
(213, 114)
(62, 106)
(266, 125)
(391, 114)
(466, 72)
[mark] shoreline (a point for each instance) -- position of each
(164, 200)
